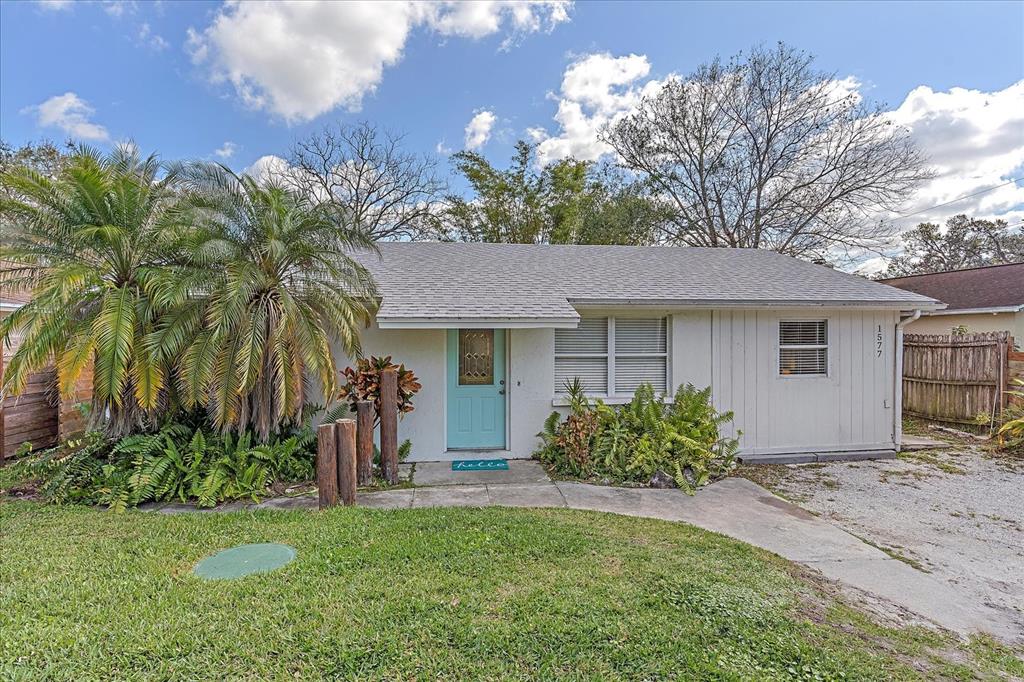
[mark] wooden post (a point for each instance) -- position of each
(346, 437)
(389, 425)
(364, 442)
(326, 466)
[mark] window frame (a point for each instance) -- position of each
(611, 355)
(779, 347)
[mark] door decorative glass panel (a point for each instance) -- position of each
(476, 357)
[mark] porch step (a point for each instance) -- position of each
(440, 473)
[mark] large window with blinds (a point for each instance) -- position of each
(613, 355)
(803, 348)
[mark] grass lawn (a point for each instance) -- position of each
(432, 593)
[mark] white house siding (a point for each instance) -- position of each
(531, 374)
(422, 351)
(733, 351)
(849, 410)
(529, 380)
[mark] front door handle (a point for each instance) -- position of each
(501, 392)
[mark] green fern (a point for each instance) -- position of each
(681, 438)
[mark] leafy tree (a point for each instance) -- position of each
(566, 202)
(509, 206)
(91, 242)
(763, 151)
(614, 209)
(965, 243)
(44, 156)
(279, 285)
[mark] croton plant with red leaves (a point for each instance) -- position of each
(363, 383)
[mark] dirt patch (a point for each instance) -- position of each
(957, 513)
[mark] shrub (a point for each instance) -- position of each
(646, 438)
(364, 384)
(175, 463)
(1011, 432)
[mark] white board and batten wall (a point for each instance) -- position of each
(735, 351)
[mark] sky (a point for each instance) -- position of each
(239, 82)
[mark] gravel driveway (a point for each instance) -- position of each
(957, 513)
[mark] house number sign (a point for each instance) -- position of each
(878, 342)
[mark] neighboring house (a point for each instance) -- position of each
(987, 299)
(805, 356)
(11, 301)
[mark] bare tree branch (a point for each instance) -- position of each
(388, 193)
(764, 152)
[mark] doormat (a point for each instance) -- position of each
(480, 465)
(244, 560)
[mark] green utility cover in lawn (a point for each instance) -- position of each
(244, 560)
(480, 465)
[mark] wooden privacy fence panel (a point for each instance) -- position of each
(32, 415)
(38, 416)
(955, 378)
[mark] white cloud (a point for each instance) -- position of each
(54, 5)
(478, 130)
(442, 149)
(149, 39)
(597, 89)
(266, 167)
(485, 17)
(300, 60)
(71, 114)
(118, 8)
(975, 141)
(226, 150)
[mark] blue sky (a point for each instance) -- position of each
(187, 79)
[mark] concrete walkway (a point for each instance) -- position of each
(735, 507)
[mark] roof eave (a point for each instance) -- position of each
(928, 304)
(993, 310)
(478, 322)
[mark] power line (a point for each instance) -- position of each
(953, 201)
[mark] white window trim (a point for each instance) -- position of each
(779, 347)
(612, 395)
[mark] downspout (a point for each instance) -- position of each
(897, 392)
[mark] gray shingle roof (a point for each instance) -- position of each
(433, 280)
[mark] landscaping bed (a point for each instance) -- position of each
(433, 593)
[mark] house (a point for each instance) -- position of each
(986, 299)
(806, 357)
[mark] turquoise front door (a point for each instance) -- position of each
(476, 389)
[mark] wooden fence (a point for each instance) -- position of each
(956, 378)
(38, 415)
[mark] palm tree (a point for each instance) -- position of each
(92, 243)
(281, 287)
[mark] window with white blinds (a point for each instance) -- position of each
(613, 355)
(583, 353)
(803, 347)
(641, 353)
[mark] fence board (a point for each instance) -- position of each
(955, 378)
(37, 415)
